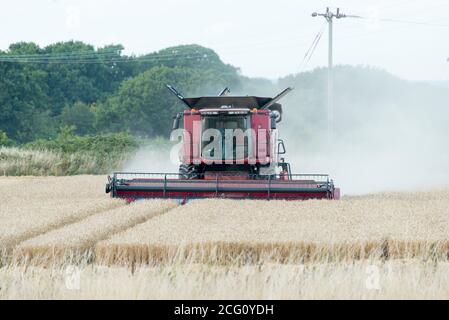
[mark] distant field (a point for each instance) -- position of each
(70, 221)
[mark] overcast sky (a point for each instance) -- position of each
(263, 38)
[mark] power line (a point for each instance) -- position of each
(375, 32)
(112, 56)
(94, 56)
(413, 22)
(424, 23)
(101, 61)
(66, 53)
(75, 54)
(314, 46)
(311, 49)
(72, 58)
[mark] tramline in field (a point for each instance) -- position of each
(230, 149)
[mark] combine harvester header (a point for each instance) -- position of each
(229, 149)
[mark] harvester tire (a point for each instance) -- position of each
(188, 171)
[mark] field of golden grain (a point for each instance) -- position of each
(221, 230)
(54, 230)
(31, 206)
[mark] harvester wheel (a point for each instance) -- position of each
(188, 171)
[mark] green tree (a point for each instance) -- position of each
(84, 74)
(37, 83)
(4, 140)
(144, 106)
(80, 116)
(189, 56)
(23, 100)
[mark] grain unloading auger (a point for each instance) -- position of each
(229, 149)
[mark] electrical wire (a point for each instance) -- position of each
(414, 22)
(72, 58)
(113, 55)
(311, 49)
(100, 52)
(424, 23)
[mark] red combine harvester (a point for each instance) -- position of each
(229, 149)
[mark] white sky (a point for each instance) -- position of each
(263, 38)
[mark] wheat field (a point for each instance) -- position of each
(74, 241)
(219, 248)
(34, 205)
(219, 230)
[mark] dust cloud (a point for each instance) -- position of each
(387, 142)
(152, 158)
(389, 134)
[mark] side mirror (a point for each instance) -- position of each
(277, 114)
(176, 121)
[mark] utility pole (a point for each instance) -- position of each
(329, 16)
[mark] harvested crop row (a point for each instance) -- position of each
(226, 230)
(30, 221)
(74, 241)
(31, 206)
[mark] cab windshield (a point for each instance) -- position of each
(226, 134)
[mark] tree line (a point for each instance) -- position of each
(99, 90)
(77, 88)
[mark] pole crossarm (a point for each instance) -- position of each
(329, 15)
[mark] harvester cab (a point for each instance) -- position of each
(230, 149)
